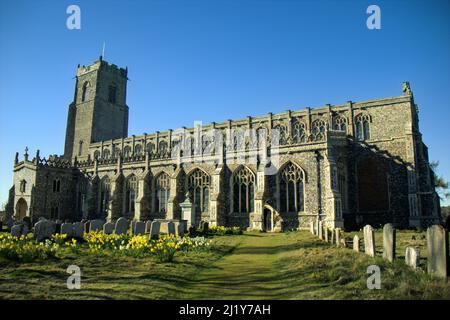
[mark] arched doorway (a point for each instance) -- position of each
(267, 220)
(21, 209)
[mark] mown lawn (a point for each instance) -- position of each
(292, 265)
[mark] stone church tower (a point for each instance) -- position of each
(98, 111)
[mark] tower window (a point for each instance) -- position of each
(112, 93)
(23, 186)
(85, 92)
(56, 185)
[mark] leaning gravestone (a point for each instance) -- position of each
(44, 229)
(412, 257)
(108, 228)
(369, 241)
(121, 226)
(389, 242)
(356, 243)
(67, 228)
(78, 230)
(154, 229)
(139, 227)
(437, 246)
(96, 225)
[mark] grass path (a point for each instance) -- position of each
(250, 268)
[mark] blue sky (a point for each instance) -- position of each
(218, 60)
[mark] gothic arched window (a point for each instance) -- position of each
(340, 124)
(291, 183)
(162, 147)
(362, 127)
(162, 192)
(243, 190)
(319, 127)
(127, 152)
(298, 132)
(150, 148)
(131, 193)
(105, 189)
(85, 91)
(279, 134)
(198, 186)
(96, 154)
(137, 149)
(106, 154)
(261, 134)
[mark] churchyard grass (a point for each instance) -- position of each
(292, 265)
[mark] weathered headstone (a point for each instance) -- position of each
(338, 237)
(27, 221)
(437, 247)
(325, 232)
(204, 227)
(67, 228)
(320, 230)
(96, 225)
(186, 211)
(356, 243)
(121, 226)
(333, 233)
(154, 229)
(44, 229)
(20, 229)
(139, 227)
(369, 241)
(389, 235)
(171, 227)
(78, 230)
(108, 228)
(412, 257)
(148, 225)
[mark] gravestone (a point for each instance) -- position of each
(412, 257)
(20, 229)
(58, 224)
(96, 225)
(325, 232)
(87, 226)
(171, 227)
(27, 221)
(154, 229)
(148, 225)
(108, 228)
(133, 224)
(369, 241)
(139, 227)
(320, 230)
(204, 227)
(333, 233)
(437, 248)
(67, 228)
(338, 237)
(389, 237)
(311, 228)
(356, 243)
(44, 229)
(121, 226)
(78, 230)
(179, 228)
